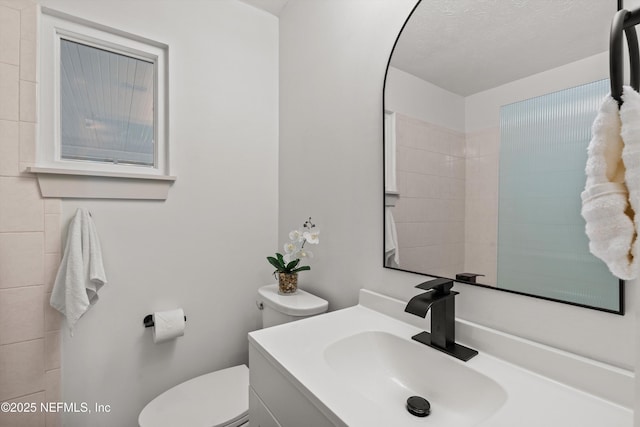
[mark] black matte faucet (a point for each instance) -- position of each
(441, 300)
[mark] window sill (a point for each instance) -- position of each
(70, 183)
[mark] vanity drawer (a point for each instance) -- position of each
(279, 397)
(259, 415)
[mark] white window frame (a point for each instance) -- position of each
(54, 26)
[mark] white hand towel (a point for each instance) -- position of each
(81, 273)
(391, 255)
(605, 205)
(630, 118)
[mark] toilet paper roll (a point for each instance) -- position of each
(168, 325)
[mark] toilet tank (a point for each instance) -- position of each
(278, 309)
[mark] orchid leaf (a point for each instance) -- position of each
(292, 264)
(277, 264)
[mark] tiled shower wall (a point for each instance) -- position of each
(30, 243)
(446, 217)
(481, 204)
(430, 213)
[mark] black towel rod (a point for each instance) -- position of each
(626, 21)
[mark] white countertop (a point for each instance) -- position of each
(297, 350)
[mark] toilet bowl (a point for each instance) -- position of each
(221, 398)
(216, 399)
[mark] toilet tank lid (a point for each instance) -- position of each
(301, 303)
(220, 398)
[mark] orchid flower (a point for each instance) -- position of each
(312, 237)
(295, 236)
(294, 249)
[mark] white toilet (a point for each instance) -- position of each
(221, 398)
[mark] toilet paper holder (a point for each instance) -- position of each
(149, 323)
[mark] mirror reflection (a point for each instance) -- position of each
(488, 112)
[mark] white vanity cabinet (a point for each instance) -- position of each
(276, 402)
(357, 366)
(259, 415)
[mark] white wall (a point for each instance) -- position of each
(482, 110)
(332, 60)
(333, 55)
(204, 248)
(410, 95)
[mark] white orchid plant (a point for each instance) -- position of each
(295, 250)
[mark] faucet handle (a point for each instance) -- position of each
(440, 286)
(468, 277)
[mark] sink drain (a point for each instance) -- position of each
(418, 406)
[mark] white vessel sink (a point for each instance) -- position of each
(387, 370)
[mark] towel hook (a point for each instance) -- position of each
(616, 54)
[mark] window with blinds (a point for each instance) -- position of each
(103, 100)
(106, 106)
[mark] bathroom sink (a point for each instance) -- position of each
(357, 367)
(388, 369)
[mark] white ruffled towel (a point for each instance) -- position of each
(81, 273)
(612, 191)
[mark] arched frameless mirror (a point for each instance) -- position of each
(487, 116)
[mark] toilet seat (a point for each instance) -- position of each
(217, 399)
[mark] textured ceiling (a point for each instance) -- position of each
(467, 46)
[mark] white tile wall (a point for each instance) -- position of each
(446, 217)
(28, 20)
(15, 419)
(430, 213)
(20, 314)
(10, 90)
(28, 60)
(21, 368)
(9, 152)
(52, 239)
(52, 341)
(27, 145)
(51, 263)
(21, 259)
(29, 232)
(28, 105)
(16, 4)
(52, 317)
(481, 214)
(22, 206)
(9, 36)
(53, 394)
